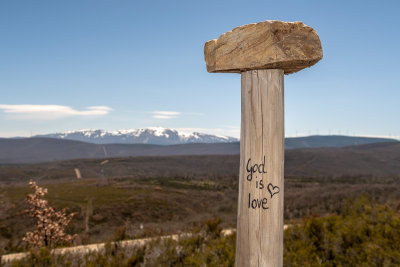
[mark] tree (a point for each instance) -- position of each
(50, 224)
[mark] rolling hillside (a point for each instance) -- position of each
(372, 160)
(377, 159)
(35, 150)
(314, 141)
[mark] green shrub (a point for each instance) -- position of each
(361, 234)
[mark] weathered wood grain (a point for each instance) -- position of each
(260, 226)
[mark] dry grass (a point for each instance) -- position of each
(164, 194)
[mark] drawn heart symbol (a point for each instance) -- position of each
(272, 189)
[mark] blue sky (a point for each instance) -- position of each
(67, 65)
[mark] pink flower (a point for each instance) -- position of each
(50, 224)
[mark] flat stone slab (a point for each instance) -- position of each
(271, 44)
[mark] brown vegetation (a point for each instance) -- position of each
(361, 233)
(148, 196)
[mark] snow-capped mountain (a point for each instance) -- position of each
(156, 136)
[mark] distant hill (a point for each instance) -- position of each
(379, 160)
(332, 141)
(34, 150)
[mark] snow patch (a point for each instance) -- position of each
(151, 135)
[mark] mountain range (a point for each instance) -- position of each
(167, 136)
(45, 149)
(153, 136)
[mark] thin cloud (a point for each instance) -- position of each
(51, 112)
(165, 115)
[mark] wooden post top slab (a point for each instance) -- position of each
(271, 44)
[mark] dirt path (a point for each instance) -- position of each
(84, 249)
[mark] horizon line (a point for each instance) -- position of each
(395, 137)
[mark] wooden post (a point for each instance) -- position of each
(262, 52)
(260, 207)
(78, 173)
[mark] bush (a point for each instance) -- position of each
(204, 248)
(363, 234)
(50, 224)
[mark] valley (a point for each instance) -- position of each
(135, 197)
